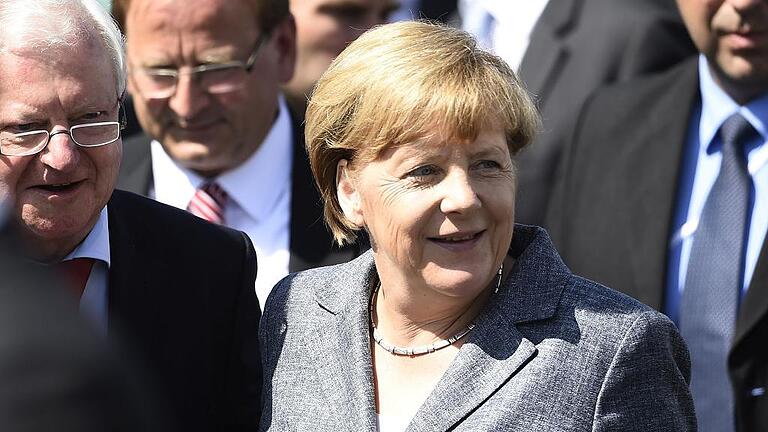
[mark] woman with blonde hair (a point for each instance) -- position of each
(456, 319)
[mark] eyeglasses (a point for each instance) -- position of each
(84, 135)
(216, 78)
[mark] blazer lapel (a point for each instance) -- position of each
(496, 350)
(754, 306)
(651, 196)
(135, 310)
(547, 50)
(341, 345)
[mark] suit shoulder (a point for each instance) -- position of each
(610, 313)
(601, 298)
(166, 222)
(644, 91)
(298, 288)
(331, 287)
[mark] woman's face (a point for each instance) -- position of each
(439, 213)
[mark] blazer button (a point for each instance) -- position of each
(757, 391)
(283, 327)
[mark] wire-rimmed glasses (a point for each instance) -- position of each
(215, 78)
(95, 134)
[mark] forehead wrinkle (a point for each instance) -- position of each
(198, 34)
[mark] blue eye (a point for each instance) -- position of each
(488, 164)
(423, 171)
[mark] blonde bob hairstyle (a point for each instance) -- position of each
(403, 82)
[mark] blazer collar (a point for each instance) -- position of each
(341, 341)
(494, 351)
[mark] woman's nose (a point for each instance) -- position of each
(459, 194)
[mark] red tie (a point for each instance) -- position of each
(76, 272)
(208, 203)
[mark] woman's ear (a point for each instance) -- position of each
(348, 195)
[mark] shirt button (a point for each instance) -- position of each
(757, 391)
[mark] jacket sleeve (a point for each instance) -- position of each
(646, 385)
(242, 410)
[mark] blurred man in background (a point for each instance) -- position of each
(564, 50)
(665, 197)
(220, 140)
(323, 29)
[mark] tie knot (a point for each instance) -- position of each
(209, 202)
(735, 132)
(216, 192)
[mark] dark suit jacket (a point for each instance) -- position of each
(577, 46)
(56, 373)
(611, 217)
(311, 244)
(181, 295)
(550, 351)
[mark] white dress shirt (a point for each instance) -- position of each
(502, 27)
(259, 197)
(93, 302)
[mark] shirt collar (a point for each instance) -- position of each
(717, 106)
(96, 243)
(272, 161)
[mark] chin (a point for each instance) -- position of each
(458, 282)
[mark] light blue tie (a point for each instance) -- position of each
(713, 281)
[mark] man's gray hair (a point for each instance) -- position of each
(46, 26)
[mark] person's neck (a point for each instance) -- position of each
(406, 316)
(742, 92)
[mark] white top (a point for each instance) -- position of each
(502, 27)
(393, 423)
(259, 197)
(93, 302)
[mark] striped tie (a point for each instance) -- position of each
(208, 203)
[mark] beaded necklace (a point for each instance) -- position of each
(424, 349)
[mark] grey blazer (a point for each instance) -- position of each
(551, 351)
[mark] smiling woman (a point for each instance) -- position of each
(412, 134)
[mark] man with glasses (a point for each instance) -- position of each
(205, 77)
(178, 290)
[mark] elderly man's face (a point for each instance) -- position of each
(202, 130)
(733, 34)
(324, 28)
(57, 194)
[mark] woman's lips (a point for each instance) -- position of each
(458, 242)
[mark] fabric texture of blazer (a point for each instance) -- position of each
(551, 351)
(575, 47)
(611, 217)
(311, 244)
(181, 296)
